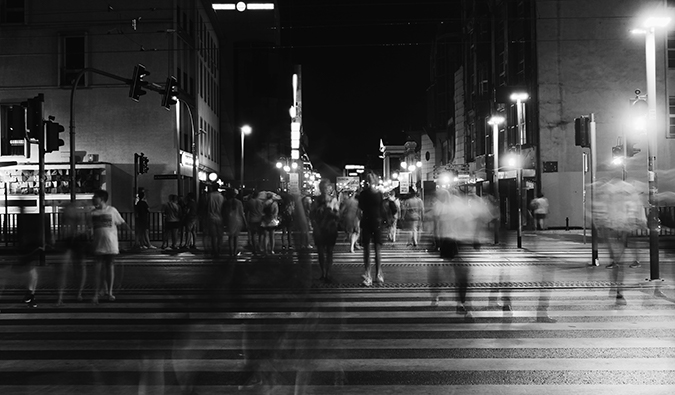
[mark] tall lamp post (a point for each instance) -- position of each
(519, 98)
(495, 121)
(244, 131)
(650, 26)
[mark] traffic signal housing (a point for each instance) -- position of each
(142, 164)
(582, 130)
(170, 94)
(137, 83)
(52, 140)
(34, 116)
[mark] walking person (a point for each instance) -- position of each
(235, 221)
(254, 219)
(324, 217)
(539, 207)
(370, 203)
(213, 219)
(286, 215)
(142, 220)
(414, 216)
(270, 222)
(190, 218)
(172, 218)
(394, 215)
(76, 241)
(105, 220)
(350, 217)
(617, 212)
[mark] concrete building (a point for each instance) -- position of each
(44, 46)
(573, 58)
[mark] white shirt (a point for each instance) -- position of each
(104, 223)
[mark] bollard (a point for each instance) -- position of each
(567, 224)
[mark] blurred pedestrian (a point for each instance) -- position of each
(270, 222)
(617, 212)
(29, 251)
(255, 216)
(286, 215)
(76, 240)
(459, 219)
(324, 217)
(190, 218)
(235, 221)
(350, 215)
(142, 222)
(105, 220)
(539, 208)
(213, 219)
(307, 206)
(414, 216)
(172, 221)
(371, 205)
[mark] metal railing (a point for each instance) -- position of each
(9, 236)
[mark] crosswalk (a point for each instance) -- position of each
(535, 322)
(354, 341)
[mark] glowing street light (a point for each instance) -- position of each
(495, 121)
(244, 131)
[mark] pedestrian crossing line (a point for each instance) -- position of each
(363, 365)
(487, 389)
(528, 338)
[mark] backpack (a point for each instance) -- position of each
(267, 209)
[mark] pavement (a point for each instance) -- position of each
(547, 259)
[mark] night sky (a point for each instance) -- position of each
(365, 68)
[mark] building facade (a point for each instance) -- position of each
(46, 44)
(572, 59)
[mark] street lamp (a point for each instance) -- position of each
(244, 131)
(519, 98)
(495, 121)
(650, 25)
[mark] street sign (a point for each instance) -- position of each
(404, 182)
(347, 184)
(165, 176)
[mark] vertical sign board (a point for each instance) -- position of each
(404, 182)
(293, 184)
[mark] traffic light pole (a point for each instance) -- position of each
(41, 181)
(650, 51)
(594, 172)
(76, 81)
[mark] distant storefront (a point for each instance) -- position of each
(19, 185)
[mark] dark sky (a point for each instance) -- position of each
(365, 69)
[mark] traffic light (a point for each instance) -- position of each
(142, 164)
(630, 149)
(17, 123)
(53, 142)
(170, 94)
(137, 83)
(34, 118)
(582, 130)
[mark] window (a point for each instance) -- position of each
(12, 11)
(12, 130)
(671, 117)
(73, 59)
